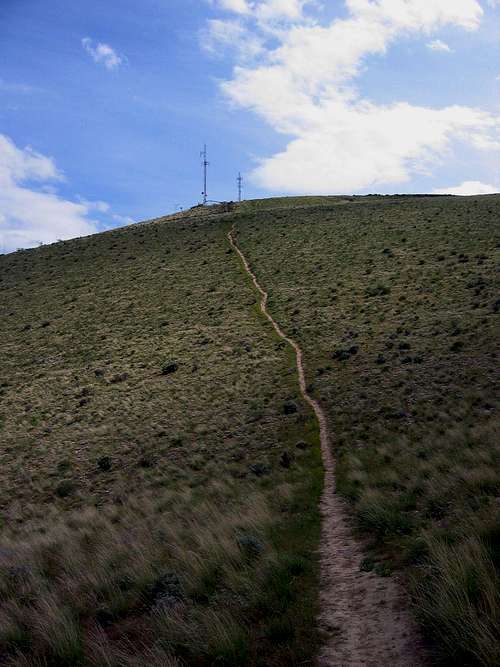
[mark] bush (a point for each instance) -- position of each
(169, 368)
(377, 290)
(104, 463)
(65, 488)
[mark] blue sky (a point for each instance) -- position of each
(104, 106)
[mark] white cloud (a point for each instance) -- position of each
(439, 45)
(367, 146)
(302, 83)
(29, 216)
(268, 14)
(237, 6)
(279, 9)
(221, 36)
(101, 206)
(102, 53)
(469, 188)
(419, 14)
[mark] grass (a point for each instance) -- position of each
(160, 473)
(393, 300)
(143, 435)
(169, 575)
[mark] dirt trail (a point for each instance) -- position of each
(364, 618)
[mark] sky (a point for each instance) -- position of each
(105, 106)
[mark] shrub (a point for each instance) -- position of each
(104, 463)
(289, 408)
(377, 290)
(169, 368)
(65, 488)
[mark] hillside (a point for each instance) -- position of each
(161, 472)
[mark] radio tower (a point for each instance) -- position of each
(240, 181)
(203, 154)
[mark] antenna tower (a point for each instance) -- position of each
(203, 154)
(240, 182)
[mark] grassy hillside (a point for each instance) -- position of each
(151, 489)
(160, 474)
(395, 302)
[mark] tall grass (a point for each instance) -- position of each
(167, 580)
(462, 582)
(169, 566)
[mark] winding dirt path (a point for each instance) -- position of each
(364, 618)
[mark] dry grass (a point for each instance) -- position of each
(147, 519)
(146, 516)
(462, 581)
(395, 302)
(149, 570)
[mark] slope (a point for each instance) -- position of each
(161, 472)
(155, 506)
(394, 301)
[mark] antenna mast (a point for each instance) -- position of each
(240, 181)
(203, 154)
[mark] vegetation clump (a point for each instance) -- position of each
(169, 368)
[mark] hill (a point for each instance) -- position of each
(161, 471)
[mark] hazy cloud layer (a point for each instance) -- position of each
(299, 75)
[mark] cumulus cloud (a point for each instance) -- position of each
(439, 45)
(264, 9)
(102, 53)
(302, 83)
(222, 36)
(30, 216)
(237, 6)
(469, 188)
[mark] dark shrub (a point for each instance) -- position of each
(286, 459)
(169, 368)
(104, 463)
(259, 469)
(377, 290)
(65, 488)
